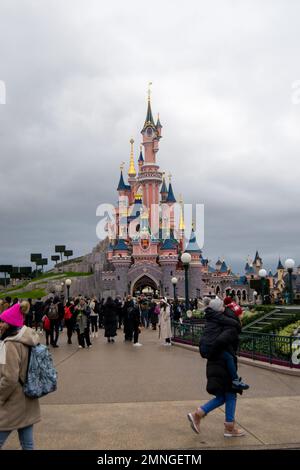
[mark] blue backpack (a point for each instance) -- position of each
(41, 377)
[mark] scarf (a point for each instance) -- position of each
(3, 345)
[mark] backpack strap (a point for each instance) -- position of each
(29, 354)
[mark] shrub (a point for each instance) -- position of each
(279, 325)
(283, 347)
(249, 318)
(265, 308)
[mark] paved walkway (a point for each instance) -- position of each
(115, 396)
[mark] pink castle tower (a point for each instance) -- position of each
(146, 251)
(150, 178)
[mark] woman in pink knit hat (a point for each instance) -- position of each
(17, 411)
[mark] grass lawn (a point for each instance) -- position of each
(31, 294)
(15, 291)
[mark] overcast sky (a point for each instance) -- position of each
(76, 74)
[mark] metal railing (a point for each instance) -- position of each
(274, 349)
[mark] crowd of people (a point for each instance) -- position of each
(84, 317)
(23, 323)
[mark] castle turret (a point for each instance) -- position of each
(280, 276)
(258, 264)
(158, 126)
(150, 177)
(164, 190)
(141, 159)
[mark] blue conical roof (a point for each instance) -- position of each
(224, 268)
(141, 158)
(193, 245)
(122, 186)
(121, 245)
(149, 121)
(158, 124)
(171, 197)
(164, 189)
(169, 244)
(280, 265)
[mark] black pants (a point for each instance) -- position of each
(47, 336)
(94, 323)
(84, 338)
(69, 325)
(136, 333)
(54, 327)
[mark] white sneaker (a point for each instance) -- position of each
(79, 347)
(93, 335)
(137, 344)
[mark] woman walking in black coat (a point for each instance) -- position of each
(110, 320)
(219, 384)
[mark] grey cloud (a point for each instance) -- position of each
(76, 74)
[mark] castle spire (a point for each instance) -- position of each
(158, 123)
(141, 158)
(149, 121)
(170, 197)
(280, 265)
(131, 171)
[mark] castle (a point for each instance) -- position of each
(136, 257)
(138, 260)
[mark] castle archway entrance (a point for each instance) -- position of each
(145, 285)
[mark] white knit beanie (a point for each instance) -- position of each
(216, 304)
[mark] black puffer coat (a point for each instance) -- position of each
(218, 378)
(220, 332)
(110, 319)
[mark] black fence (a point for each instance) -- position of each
(274, 349)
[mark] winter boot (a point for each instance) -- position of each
(231, 430)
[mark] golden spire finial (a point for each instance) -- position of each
(141, 147)
(181, 219)
(131, 171)
(149, 91)
(170, 177)
(122, 166)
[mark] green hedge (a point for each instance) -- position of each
(287, 332)
(251, 318)
(265, 308)
(279, 325)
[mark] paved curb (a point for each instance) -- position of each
(249, 362)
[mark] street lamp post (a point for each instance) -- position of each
(68, 285)
(174, 281)
(289, 265)
(262, 274)
(186, 259)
